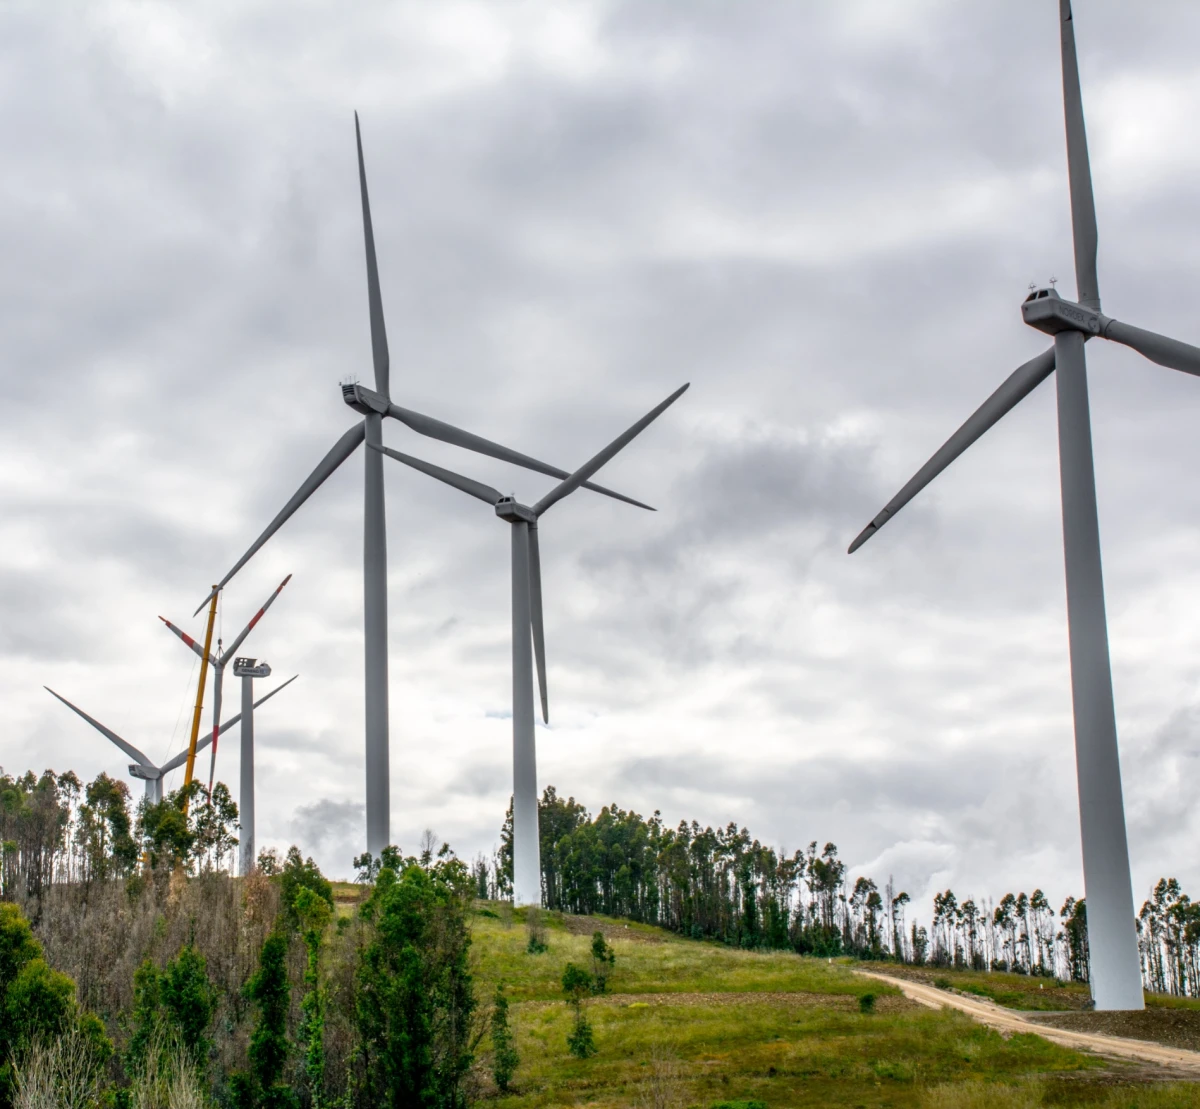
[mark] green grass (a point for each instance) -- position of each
(690, 1024)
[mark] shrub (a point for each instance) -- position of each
(536, 930)
(866, 1003)
(576, 982)
(301, 874)
(603, 958)
(504, 1054)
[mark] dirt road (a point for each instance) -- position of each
(1008, 1020)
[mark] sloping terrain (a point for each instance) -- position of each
(686, 1023)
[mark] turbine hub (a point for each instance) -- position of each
(1046, 311)
(508, 509)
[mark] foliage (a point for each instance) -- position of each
(603, 960)
(313, 913)
(535, 930)
(171, 1006)
(576, 984)
(188, 1001)
(263, 1087)
(415, 1000)
(505, 1059)
(37, 1003)
(301, 874)
(866, 1003)
(189, 829)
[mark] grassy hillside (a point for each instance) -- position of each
(696, 1024)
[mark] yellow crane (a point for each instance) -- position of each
(191, 759)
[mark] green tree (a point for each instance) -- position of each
(576, 984)
(36, 1002)
(216, 821)
(505, 1059)
(415, 995)
(603, 959)
(147, 1015)
(314, 915)
(299, 873)
(269, 1047)
(188, 1000)
(167, 832)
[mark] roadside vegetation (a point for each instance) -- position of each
(135, 971)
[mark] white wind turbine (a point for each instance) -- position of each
(1112, 935)
(222, 659)
(143, 767)
(373, 406)
(527, 615)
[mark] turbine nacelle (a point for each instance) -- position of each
(1046, 311)
(363, 400)
(146, 773)
(508, 509)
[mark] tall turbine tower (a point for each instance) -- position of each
(247, 669)
(527, 615)
(373, 406)
(143, 768)
(1112, 935)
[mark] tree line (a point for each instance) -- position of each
(722, 884)
(135, 970)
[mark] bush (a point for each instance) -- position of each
(504, 1055)
(37, 1005)
(603, 958)
(576, 982)
(866, 1003)
(536, 930)
(301, 874)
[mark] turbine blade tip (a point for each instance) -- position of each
(862, 537)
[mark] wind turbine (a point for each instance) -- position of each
(373, 406)
(527, 614)
(1112, 935)
(142, 767)
(219, 661)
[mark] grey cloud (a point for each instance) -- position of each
(826, 224)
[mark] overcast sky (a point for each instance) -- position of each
(822, 216)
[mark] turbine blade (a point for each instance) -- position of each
(379, 347)
(447, 433)
(585, 471)
(268, 696)
(181, 758)
(108, 733)
(254, 620)
(188, 640)
(535, 613)
(341, 450)
(1158, 348)
(1079, 173)
(466, 484)
(1019, 384)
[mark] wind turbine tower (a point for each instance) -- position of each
(527, 616)
(247, 669)
(373, 405)
(1112, 931)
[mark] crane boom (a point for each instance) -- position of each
(191, 759)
